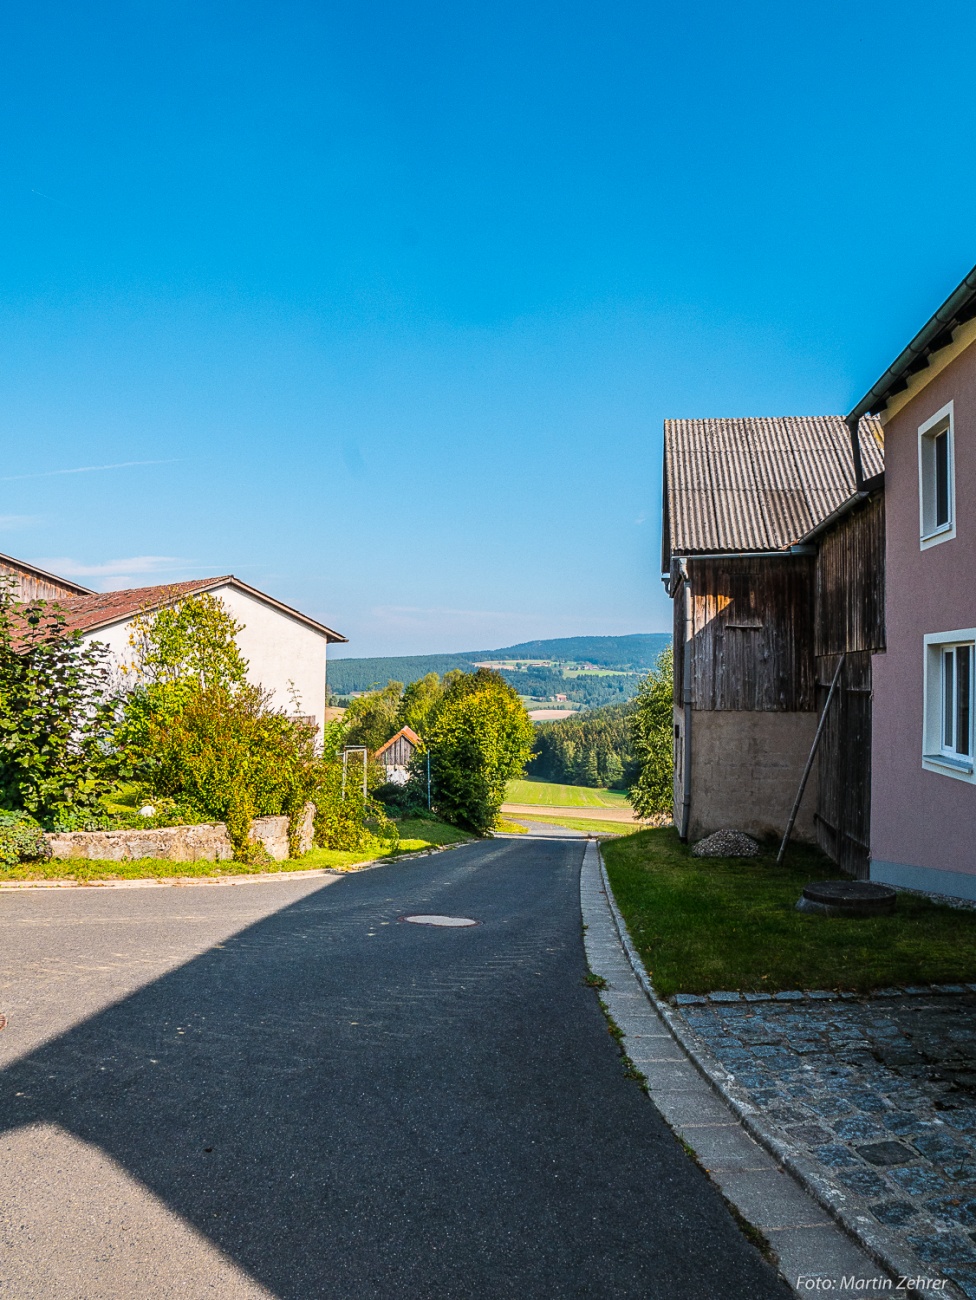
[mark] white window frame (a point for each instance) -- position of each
(935, 757)
(930, 535)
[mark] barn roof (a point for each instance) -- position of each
(105, 609)
(405, 733)
(758, 484)
(9, 565)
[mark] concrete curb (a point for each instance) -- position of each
(845, 1208)
(255, 878)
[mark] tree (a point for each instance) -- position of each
(480, 737)
(192, 643)
(653, 730)
(418, 703)
(372, 719)
(56, 713)
(194, 730)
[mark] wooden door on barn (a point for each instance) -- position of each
(843, 816)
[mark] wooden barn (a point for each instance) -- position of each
(773, 553)
(30, 583)
(396, 754)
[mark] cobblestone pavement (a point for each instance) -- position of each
(880, 1092)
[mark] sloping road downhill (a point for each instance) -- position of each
(284, 1089)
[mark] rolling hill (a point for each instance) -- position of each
(626, 655)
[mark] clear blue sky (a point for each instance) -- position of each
(389, 301)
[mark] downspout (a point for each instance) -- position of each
(686, 698)
(853, 428)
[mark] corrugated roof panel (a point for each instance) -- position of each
(759, 484)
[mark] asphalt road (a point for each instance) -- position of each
(283, 1089)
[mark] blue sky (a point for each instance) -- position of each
(381, 307)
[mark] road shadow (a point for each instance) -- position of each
(350, 1106)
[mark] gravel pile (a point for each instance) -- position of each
(726, 844)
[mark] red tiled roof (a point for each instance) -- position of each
(407, 733)
(104, 609)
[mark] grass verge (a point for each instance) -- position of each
(703, 924)
(415, 836)
(508, 827)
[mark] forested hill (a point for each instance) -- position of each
(630, 654)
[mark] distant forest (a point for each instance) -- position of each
(592, 748)
(633, 654)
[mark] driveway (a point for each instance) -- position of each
(285, 1089)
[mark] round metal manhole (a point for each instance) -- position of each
(425, 918)
(848, 898)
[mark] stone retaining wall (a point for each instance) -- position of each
(208, 842)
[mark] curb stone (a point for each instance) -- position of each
(845, 1208)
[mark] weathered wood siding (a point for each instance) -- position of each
(399, 754)
(850, 582)
(753, 634)
(850, 591)
(29, 586)
(843, 815)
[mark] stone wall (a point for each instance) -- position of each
(208, 842)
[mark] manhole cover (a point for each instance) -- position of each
(847, 898)
(426, 919)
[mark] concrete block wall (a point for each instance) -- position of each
(745, 770)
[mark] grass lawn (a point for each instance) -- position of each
(704, 924)
(550, 795)
(415, 835)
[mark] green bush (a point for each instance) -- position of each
(480, 737)
(21, 840)
(653, 736)
(57, 713)
(224, 753)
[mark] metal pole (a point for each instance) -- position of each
(809, 766)
(428, 781)
(345, 764)
(365, 765)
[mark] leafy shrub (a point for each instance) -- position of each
(653, 736)
(224, 753)
(345, 816)
(479, 737)
(57, 713)
(21, 840)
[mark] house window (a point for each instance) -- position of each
(936, 478)
(950, 668)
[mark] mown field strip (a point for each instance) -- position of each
(548, 794)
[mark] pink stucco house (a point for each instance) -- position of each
(923, 801)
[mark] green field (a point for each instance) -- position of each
(547, 794)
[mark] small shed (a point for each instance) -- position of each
(396, 754)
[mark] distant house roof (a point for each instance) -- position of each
(9, 565)
(105, 609)
(405, 733)
(758, 485)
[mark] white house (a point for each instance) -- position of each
(285, 650)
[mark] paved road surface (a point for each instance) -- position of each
(280, 1089)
